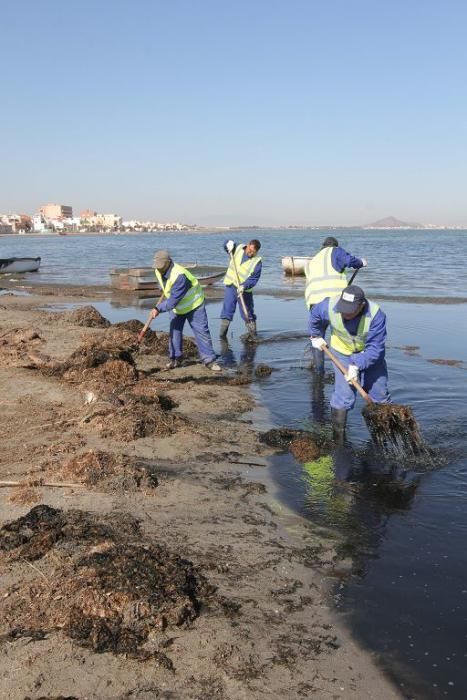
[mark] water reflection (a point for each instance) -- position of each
(242, 360)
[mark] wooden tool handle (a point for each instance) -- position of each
(240, 294)
(142, 332)
(343, 369)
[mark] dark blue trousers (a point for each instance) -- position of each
(198, 321)
(230, 304)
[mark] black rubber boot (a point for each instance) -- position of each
(224, 329)
(251, 325)
(339, 420)
(318, 361)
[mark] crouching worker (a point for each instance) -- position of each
(184, 300)
(242, 275)
(358, 337)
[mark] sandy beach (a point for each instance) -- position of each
(169, 486)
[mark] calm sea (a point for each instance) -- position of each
(407, 597)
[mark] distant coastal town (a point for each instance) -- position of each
(59, 218)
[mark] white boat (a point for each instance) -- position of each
(8, 265)
(295, 265)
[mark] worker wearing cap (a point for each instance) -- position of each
(184, 300)
(246, 263)
(358, 337)
(325, 277)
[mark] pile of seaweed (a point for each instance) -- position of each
(109, 471)
(262, 370)
(91, 354)
(128, 416)
(101, 583)
(154, 342)
(306, 446)
(87, 316)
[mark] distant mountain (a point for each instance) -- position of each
(392, 222)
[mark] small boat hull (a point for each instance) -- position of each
(294, 265)
(8, 265)
(135, 279)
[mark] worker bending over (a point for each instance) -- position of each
(325, 277)
(242, 275)
(358, 337)
(184, 300)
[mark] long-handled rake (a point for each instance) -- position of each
(143, 331)
(249, 323)
(393, 427)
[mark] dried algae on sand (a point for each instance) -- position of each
(102, 583)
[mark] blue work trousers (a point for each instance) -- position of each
(230, 304)
(374, 380)
(198, 321)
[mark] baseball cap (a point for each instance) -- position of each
(161, 258)
(351, 300)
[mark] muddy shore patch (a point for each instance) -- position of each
(16, 344)
(101, 583)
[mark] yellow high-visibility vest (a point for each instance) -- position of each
(194, 296)
(322, 280)
(244, 269)
(341, 340)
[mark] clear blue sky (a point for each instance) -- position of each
(231, 112)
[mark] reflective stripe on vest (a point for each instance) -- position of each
(244, 269)
(194, 296)
(322, 280)
(341, 339)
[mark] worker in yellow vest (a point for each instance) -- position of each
(358, 337)
(325, 277)
(242, 275)
(184, 300)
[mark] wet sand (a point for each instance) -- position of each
(179, 454)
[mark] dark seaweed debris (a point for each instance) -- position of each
(263, 370)
(447, 363)
(318, 438)
(87, 316)
(102, 584)
(394, 429)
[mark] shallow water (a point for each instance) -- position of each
(401, 263)
(407, 599)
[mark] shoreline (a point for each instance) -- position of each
(275, 636)
(105, 292)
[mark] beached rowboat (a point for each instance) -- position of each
(8, 265)
(136, 279)
(294, 265)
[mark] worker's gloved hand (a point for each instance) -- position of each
(318, 343)
(352, 373)
(364, 262)
(240, 289)
(154, 313)
(230, 246)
